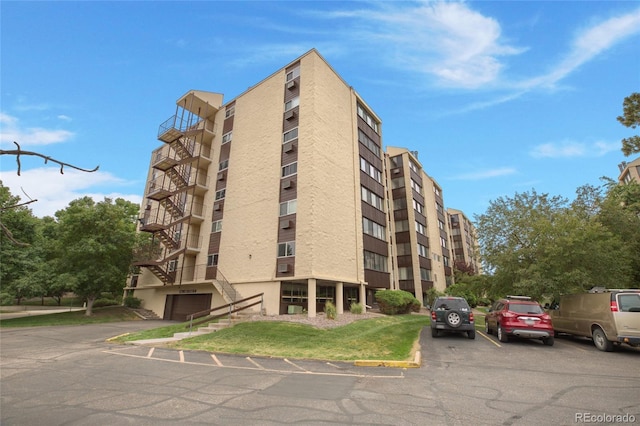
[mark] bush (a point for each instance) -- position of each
(356, 308)
(330, 310)
(393, 302)
(132, 302)
(99, 303)
(6, 299)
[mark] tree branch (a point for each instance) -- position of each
(18, 152)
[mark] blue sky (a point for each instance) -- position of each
(497, 97)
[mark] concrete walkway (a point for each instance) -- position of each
(8, 312)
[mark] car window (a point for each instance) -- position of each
(457, 304)
(525, 308)
(629, 302)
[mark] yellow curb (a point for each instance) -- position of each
(115, 337)
(416, 363)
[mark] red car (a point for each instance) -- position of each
(521, 317)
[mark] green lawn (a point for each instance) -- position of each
(387, 338)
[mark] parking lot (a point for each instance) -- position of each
(71, 375)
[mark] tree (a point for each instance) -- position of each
(16, 251)
(631, 118)
(97, 240)
(542, 246)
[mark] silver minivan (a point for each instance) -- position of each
(607, 316)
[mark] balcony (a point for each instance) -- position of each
(176, 127)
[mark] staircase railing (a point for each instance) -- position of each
(229, 310)
(226, 285)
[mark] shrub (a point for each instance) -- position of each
(330, 310)
(394, 302)
(6, 299)
(356, 308)
(99, 303)
(132, 302)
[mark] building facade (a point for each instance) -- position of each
(629, 171)
(285, 191)
(464, 243)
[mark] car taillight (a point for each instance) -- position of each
(614, 306)
(433, 315)
(470, 316)
(509, 315)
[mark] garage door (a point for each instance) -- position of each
(179, 306)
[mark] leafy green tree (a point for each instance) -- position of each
(16, 250)
(97, 240)
(542, 246)
(631, 118)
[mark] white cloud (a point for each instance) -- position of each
(31, 136)
(571, 149)
(450, 41)
(487, 174)
(54, 191)
(589, 43)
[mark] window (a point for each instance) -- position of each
(420, 229)
(403, 249)
(291, 75)
(227, 137)
(288, 207)
(423, 251)
(223, 164)
(416, 186)
(368, 118)
(230, 111)
(212, 260)
(402, 225)
(405, 273)
(400, 204)
(287, 249)
(425, 274)
(292, 293)
(371, 198)
(418, 207)
(369, 169)
(375, 261)
(216, 226)
(172, 265)
(436, 190)
(290, 135)
(445, 261)
(443, 242)
(440, 225)
(397, 182)
(413, 166)
(374, 229)
(220, 194)
(439, 208)
(292, 103)
(369, 143)
(290, 169)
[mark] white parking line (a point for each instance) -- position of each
(297, 366)
(181, 356)
(489, 338)
(150, 352)
(254, 363)
(216, 360)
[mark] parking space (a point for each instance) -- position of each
(280, 365)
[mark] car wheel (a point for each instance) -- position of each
(486, 327)
(471, 334)
(454, 319)
(548, 341)
(502, 336)
(600, 340)
(435, 332)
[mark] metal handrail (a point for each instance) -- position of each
(231, 310)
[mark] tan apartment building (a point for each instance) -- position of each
(464, 243)
(282, 191)
(629, 171)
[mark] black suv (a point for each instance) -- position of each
(452, 314)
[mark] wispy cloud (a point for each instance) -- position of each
(587, 44)
(486, 174)
(571, 149)
(54, 191)
(30, 136)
